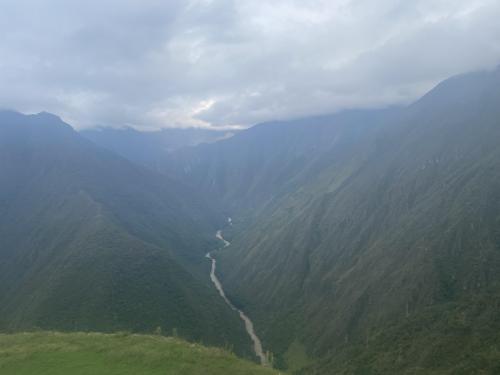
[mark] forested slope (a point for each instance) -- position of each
(388, 250)
(90, 241)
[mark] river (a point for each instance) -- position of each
(257, 344)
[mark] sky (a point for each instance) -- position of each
(225, 64)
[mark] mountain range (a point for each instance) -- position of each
(362, 242)
(91, 241)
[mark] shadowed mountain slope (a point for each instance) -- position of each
(370, 244)
(90, 241)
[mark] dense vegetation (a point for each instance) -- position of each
(116, 354)
(90, 241)
(367, 241)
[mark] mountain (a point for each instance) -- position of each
(150, 148)
(364, 242)
(91, 241)
(270, 159)
(367, 242)
(115, 354)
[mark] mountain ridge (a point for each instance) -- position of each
(399, 221)
(350, 233)
(91, 241)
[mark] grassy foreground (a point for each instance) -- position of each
(44, 353)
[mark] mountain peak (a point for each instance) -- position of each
(48, 116)
(48, 124)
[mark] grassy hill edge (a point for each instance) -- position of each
(112, 354)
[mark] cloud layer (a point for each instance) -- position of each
(224, 63)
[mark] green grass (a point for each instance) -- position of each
(50, 353)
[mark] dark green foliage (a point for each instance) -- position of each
(383, 224)
(366, 242)
(269, 160)
(452, 338)
(90, 241)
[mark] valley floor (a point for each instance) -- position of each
(257, 344)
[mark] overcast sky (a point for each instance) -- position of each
(152, 64)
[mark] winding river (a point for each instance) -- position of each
(257, 345)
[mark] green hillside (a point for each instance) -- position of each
(365, 242)
(378, 246)
(270, 160)
(90, 241)
(48, 353)
(410, 229)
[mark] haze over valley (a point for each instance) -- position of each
(218, 187)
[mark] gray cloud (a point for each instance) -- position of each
(153, 63)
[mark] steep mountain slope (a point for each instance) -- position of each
(387, 252)
(117, 354)
(413, 230)
(90, 241)
(253, 168)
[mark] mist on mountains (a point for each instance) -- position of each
(228, 63)
(357, 238)
(242, 187)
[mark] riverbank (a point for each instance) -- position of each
(257, 344)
